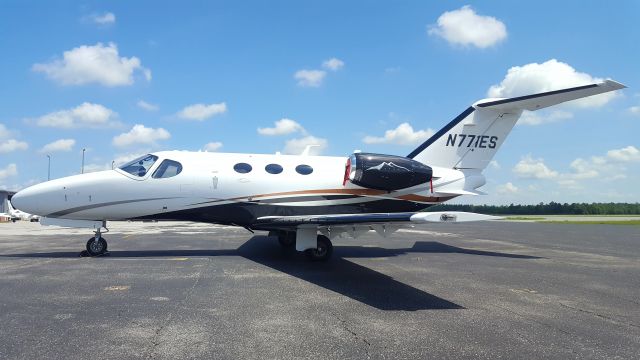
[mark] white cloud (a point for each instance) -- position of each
(213, 146)
(84, 115)
(494, 164)
(635, 110)
(310, 78)
(9, 170)
(540, 117)
(402, 135)
(466, 28)
(140, 134)
(147, 106)
(530, 168)
(202, 112)
(11, 145)
(296, 146)
(4, 132)
(93, 64)
(582, 169)
(608, 168)
(626, 154)
(107, 18)
(282, 127)
(333, 64)
(507, 188)
(548, 76)
(59, 145)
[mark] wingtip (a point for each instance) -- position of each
(614, 85)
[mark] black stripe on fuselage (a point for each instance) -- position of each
(285, 199)
(245, 213)
(99, 205)
(441, 132)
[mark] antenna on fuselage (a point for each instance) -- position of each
(307, 149)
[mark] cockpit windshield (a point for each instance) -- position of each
(140, 166)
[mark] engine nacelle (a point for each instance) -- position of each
(386, 172)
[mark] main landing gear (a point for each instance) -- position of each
(96, 245)
(321, 252)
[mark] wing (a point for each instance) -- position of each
(356, 224)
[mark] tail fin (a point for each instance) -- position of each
(471, 139)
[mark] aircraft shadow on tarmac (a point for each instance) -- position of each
(339, 274)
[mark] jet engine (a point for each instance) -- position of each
(385, 172)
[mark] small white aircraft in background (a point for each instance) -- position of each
(303, 200)
(15, 214)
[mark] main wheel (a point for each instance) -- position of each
(95, 248)
(323, 251)
(287, 239)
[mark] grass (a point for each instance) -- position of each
(521, 218)
(593, 222)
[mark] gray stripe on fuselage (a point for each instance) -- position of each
(95, 206)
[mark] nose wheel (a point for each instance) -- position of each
(96, 247)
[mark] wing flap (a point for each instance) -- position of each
(371, 218)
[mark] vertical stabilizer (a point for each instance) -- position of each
(472, 139)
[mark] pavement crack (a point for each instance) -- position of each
(596, 314)
(155, 340)
(345, 326)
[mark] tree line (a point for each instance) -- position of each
(552, 208)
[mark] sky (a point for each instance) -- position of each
(120, 79)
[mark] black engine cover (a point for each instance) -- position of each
(386, 172)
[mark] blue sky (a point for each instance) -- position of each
(124, 78)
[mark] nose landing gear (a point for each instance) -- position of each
(96, 245)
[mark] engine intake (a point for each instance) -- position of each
(386, 172)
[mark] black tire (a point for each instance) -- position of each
(287, 239)
(95, 248)
(323, 251)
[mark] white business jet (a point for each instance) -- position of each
(303, 200)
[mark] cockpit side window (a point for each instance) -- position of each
(140, 166)
(168, 168)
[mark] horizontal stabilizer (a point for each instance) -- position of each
(462, 192)
(450, 216)
(542, 100)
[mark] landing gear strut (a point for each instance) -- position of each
(97, 245)
(322, 252)
(287, 239)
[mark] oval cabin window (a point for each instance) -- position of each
(273, 169)
(304, 169)
(242, 168)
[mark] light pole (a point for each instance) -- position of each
(49, 168)
(82, 169)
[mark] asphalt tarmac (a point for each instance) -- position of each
(181, 291)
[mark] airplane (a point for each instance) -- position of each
(303, 200)
(20, 215)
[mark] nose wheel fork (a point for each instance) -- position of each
(97, 245)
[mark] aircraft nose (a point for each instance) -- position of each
(31, 199)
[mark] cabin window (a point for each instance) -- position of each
(304, 169)
(167, 169)
(140, 166)
(273, 169)
(242, 168)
